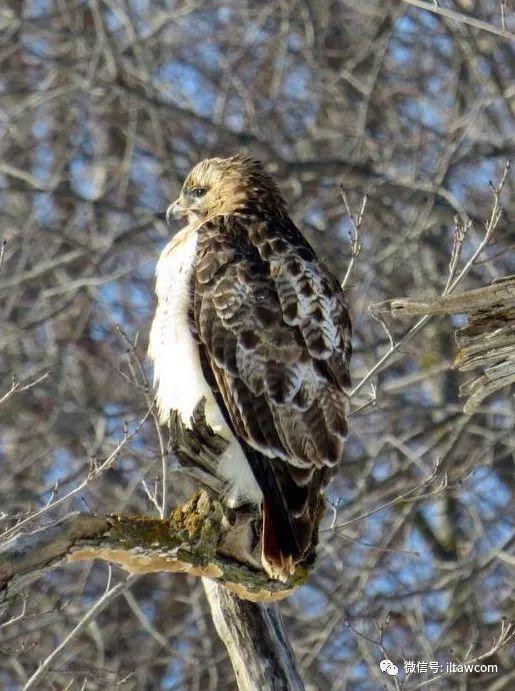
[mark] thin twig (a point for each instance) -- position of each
(146, 623)
(2, 254)
(503, 14)
(95, 470)
(19, 387)
(110, 594)
(139, 379)
(461, 229)
(460, 17)
(355, 244)
(408, 335)
(404, 497)
(16, 618)
(506, 634)
(490, 226)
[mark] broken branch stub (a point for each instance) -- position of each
(486, 341)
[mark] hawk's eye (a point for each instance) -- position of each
(199, 192)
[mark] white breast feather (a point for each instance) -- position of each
(178, 376)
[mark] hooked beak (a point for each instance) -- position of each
(175, 210)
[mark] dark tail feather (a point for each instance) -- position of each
(291, 513)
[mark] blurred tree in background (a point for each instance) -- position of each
(104, 107)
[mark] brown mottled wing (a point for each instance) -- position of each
(274, 336)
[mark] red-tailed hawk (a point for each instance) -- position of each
(250, 319)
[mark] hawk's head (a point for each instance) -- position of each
(223, 185)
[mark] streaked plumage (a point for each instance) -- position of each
(250, 318)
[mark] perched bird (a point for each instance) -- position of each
(251, 320)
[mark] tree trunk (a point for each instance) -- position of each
(254, 635)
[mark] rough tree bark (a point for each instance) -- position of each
(254, 635)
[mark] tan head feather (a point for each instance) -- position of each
(218, 186)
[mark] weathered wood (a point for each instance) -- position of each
(198, 540)
(501, 293)
(487, 341)
(254, 635)
(24, 558)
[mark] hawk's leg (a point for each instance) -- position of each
(198, 448)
